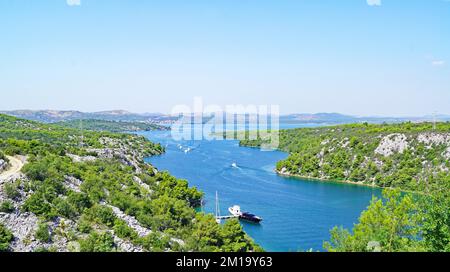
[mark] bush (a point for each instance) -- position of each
(6, 238)
(155, 242)
(43, 234)
(103, 214)
(79, 201)
(12, 190)
(64, 208)
(124, 231)
(84, 225)
(6, 207)
(97, 242)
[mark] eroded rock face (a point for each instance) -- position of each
(434, 138)
(126, 246)
(73, 183)
(141, 183)
(76, 158)
(391, 144)
(3, 165)
(119, 153)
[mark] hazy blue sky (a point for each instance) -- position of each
(391, 57)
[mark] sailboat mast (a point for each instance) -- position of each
(217, 208)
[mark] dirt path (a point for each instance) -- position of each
(15, 165)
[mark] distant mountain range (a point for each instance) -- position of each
(53, 116)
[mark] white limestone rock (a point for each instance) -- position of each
(391, 144)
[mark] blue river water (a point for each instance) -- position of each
(298, 214)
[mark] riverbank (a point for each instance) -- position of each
(288, 175)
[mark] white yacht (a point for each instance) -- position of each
(236, 211)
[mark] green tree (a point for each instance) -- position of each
(392, 224)
(206, 235)
(436, 219)
(235, 239)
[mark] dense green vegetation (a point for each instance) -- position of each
(351, 153)
(399, 223)
(23, 137)
(79, 178)
(408, 156)
(111, 126)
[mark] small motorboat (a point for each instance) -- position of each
(236, 211)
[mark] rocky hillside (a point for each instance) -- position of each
(3, 162)
(409, 156)
(92, 191)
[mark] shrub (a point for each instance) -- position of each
(103, 214)
(124, 231)
(6, 238)
(6, 207)
(43, 233)
(64, 208)
(97, 242)
(155, 242)
(12, 190)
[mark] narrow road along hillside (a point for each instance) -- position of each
(15, 165)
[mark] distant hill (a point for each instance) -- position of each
(316, 118)
(337, 118)
(54, 116)
(111, 126)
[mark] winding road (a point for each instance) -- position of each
(15, 165)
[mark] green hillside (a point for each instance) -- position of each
(111, 126)
(93, 192)
(409, 156)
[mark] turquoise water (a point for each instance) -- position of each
(298, 214)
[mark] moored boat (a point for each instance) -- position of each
(236, 211)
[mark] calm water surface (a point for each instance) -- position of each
(298, 214)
